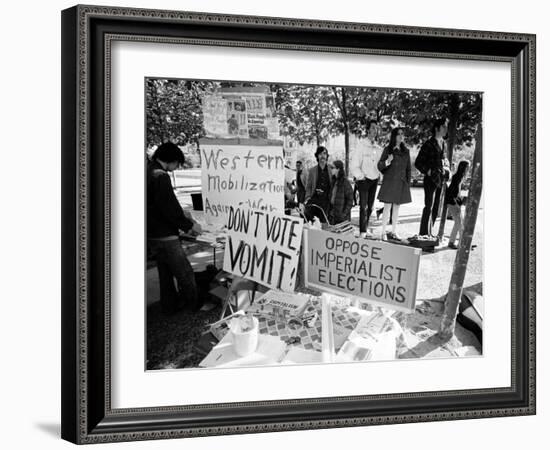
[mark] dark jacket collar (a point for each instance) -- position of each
(155, 165)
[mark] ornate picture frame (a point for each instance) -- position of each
(88, 33)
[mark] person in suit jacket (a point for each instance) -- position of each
(341, 196)
(318, 187)
(433, 164)
(395, 165)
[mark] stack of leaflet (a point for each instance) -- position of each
(278, 302)
(343, 227)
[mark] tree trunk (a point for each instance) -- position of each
(346, 145)
(342, 105)
(317, 132)
(454, 294)
(346, 130)
(199, 152)
(451, 142)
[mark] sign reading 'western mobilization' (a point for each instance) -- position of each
(381, 273)
(263, 246)
(235, 176)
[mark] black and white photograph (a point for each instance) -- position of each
(275, 225)
(311, 224)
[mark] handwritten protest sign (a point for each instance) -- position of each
(380, 273)
(263, 246)
(241, 175)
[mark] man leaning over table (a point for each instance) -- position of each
(364, 168)
(165, 217)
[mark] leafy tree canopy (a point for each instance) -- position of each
(173, 110)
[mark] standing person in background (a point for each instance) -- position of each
(395, 165)
(341, 196)
(432, 162)
(454, 200)
(300, 183)
(318, 187)
(364, 168)
(165, 218)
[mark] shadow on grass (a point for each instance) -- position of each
(435, 307)
(424, 348)
(171, 338)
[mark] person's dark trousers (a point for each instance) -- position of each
(173, 264)
(300, 195)
(435, 207)
(432, 193)
(367, 194)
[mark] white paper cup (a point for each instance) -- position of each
(245, 343)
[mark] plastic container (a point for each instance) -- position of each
(245, 335)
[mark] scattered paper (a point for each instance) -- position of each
(270, 350)
(298, 355)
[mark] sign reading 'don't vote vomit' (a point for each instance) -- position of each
(380, 273)
(263, 246)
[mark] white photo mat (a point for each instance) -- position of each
(133, 386)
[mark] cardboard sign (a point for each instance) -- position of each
(263, 246)
(234, 176)
(380, 273)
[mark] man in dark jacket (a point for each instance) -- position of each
(432, 162)
(165, 218)
(318, 187)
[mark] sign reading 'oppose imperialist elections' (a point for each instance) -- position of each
(381, 273)
(241, 175)
(263, 247)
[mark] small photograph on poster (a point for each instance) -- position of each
(309, 224)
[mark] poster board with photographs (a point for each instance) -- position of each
(243, 112)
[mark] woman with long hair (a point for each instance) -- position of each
(454, 201)
(395, 165)
(341, 195)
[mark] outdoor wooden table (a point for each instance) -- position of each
(200, 240)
